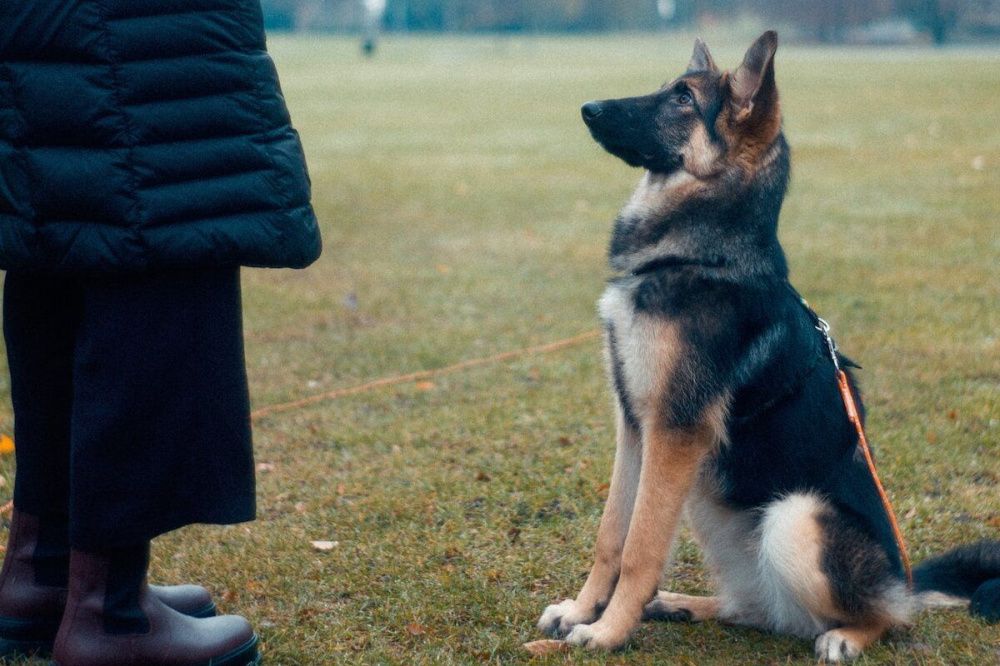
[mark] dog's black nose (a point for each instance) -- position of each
(591, 110)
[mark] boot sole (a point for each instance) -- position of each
(14, 648)
(245, 655)
(42, 647)
(25, 638)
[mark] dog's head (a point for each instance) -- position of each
(703, 122)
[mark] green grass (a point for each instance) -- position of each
(466, 209)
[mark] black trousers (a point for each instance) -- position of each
(131, 408)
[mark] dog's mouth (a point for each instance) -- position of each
(634, 157)
(630, 156)
(626, 151)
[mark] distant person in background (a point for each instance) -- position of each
(374, 11)
(145, 155)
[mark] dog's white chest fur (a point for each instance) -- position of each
(645, 347)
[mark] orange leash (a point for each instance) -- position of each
(268, 410)
(855, 418)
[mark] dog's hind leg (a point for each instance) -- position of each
(671, 459)
(559, 619)
(681, 608)
(797, 594)
(820, 574)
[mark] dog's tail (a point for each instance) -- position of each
(968, 574)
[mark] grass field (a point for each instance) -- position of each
(465, 213)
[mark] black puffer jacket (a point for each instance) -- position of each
(145, 134)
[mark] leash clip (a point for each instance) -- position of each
(823, 326)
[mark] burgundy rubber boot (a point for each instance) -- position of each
(113, 619)
(33, 586)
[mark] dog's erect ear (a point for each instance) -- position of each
(754, 92)
(701, 59)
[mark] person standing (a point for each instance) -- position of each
(146, 154)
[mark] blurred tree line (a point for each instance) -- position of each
(820, 20)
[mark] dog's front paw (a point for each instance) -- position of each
(559, 619)
(835, 647)
(597, 636)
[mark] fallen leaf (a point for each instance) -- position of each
(324, 545)
(425, 386)
(415, 629)
(6, 445)
(544, 647)
(565, 441)
(602, 490)
(443, 269)
(482, 476)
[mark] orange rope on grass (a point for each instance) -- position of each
(420, 375)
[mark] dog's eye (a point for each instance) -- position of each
(684, 99)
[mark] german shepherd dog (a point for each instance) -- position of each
(727, 398)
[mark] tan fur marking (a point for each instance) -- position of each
(701, 156)
(715, 418)
(670, 463)
(792, 545)
(648, 348)
(559, 619)
(749, 144)
(656, 194)
(700, 608)
(615, 520)
(814, 587)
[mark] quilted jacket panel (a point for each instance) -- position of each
(146, 135)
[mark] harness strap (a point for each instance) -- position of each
(851, 407)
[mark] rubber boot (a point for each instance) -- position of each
(112, 618)
(33, 586)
